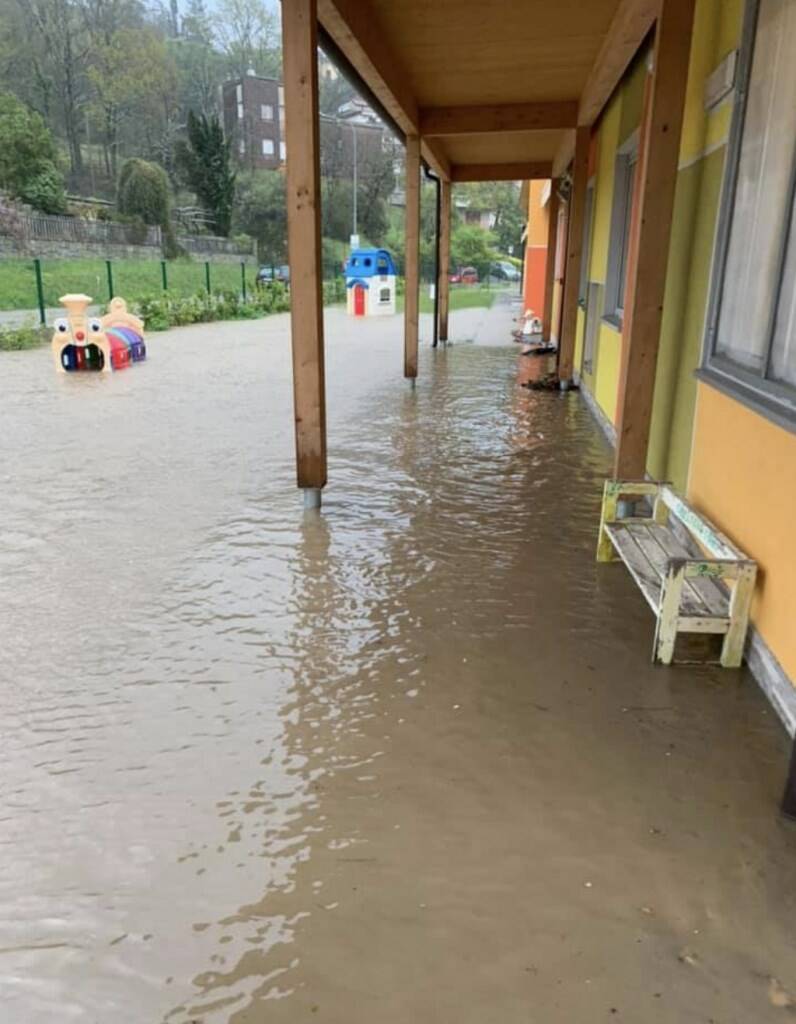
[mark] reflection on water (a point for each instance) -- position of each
(258, 766)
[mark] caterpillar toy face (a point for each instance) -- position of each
(83, 342)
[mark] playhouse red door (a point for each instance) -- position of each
(359, 300)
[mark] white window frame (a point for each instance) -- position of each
(266, 111)
(282, 150)
(265, 144)
(585, 253)
(773, 399)
(619, 245)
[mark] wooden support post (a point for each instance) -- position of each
(740, 605)
(300, 46)
(412, 258)
(577, 209)
(789, 797)
(650, 230)
(443, 284)
(669, 613)
(550, 261)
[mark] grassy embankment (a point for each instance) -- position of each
(133, 279)
(141, 283)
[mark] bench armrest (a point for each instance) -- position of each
(713, 568)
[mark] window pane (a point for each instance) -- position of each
(762, 190)
(783, 351)
(629, 178)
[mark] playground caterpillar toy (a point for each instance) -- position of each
(83, 343)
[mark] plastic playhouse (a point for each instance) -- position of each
(83, 343)
(370, 283)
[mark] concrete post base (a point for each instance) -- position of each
(312, 498)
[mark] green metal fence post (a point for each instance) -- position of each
(39, 291)
(164, 275)
(243, 279)
(109, 269)
(207, 275)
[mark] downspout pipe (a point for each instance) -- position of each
(430, 176)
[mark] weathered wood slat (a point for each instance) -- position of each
(701, 597)
(699, 624)
(637, 562)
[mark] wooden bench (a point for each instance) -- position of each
(692, 576)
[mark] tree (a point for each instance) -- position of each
(204, 162)
(57, 44)
(502, 198)
(471, 246)
(28, 157)
(333, 92)
(145, 194)
(249, 37)
(131, 73)
(261, 211)
(200, 67)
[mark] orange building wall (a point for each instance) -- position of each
(535, 249)
(743, 475)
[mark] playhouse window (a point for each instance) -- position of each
(384, 295)
(368, 261)
(750, 347)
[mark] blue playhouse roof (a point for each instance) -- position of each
(369, 263)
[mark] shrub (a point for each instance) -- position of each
(28, 157)
(17, 338)
(143, 194)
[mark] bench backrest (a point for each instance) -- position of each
(708, 535)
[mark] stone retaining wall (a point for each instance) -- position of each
(11, 249)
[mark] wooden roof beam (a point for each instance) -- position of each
(630, 25)
(364, 48)
(501, 172)
(508, 117)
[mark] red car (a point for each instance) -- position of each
(465, 275)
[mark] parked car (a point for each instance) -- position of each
(505, 271)
(464, 275)
(267, 274)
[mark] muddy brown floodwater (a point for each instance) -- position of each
(404, 762)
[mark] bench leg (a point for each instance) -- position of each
(740, 602)
(789, 797)
(666, 629)
(605, 549)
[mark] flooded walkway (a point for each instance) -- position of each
(404, 762)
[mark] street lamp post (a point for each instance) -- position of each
(354, 132)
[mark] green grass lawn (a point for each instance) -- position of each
(132, 279)
(462, 297)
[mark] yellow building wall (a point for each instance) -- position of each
(743, 475)
(607, 142)
(607, 359)
(717, 29)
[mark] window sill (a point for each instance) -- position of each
(613, 321)
(770, 407)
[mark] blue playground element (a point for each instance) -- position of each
(365, 263)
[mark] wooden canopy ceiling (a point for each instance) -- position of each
(495, 88)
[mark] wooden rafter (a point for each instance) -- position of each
(630, 25)
(364, 47)
(501, 172)
(508, 117)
